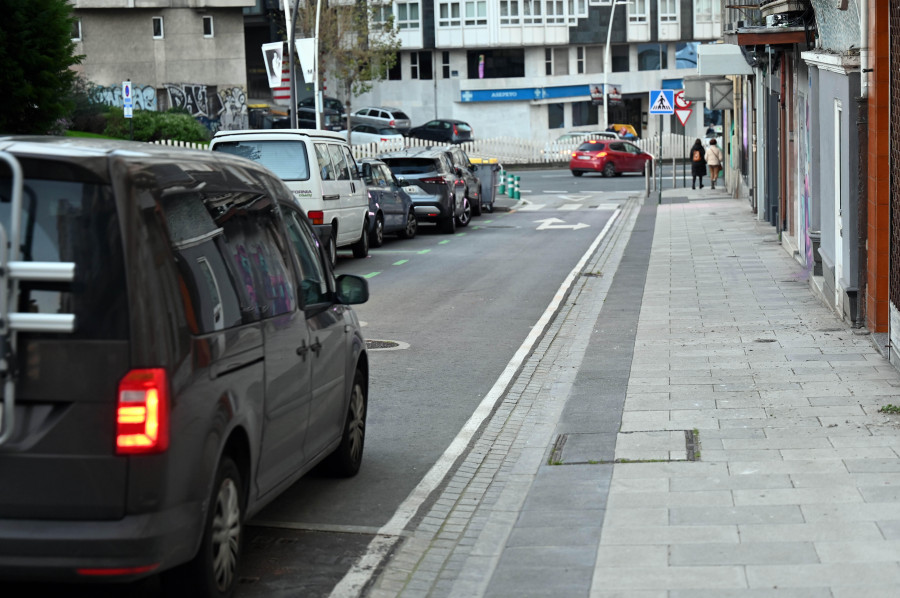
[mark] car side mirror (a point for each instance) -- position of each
(352, 289)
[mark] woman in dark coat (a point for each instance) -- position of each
(698, 163)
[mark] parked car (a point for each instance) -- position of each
(436, 190)
(444, 130)
(390, 207)
(331, 119)
(381, 116)
(322, 174)
(328, 103)
(609, 157)
(465, 169)
(360, 134)
(190, 356)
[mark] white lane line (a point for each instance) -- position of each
(568, 207)
(389, 534)
(530, 207)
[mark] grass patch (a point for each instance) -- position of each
(89, 135)
(890, 409)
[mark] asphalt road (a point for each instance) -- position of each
(446, 315)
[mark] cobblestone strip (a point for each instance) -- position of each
(456, 545)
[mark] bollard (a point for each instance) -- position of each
(501, 189)
(516, 187)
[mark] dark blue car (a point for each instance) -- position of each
(390, 207)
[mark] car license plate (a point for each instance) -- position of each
(584, 157)
(412, 189)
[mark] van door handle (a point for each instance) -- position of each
(316, 347)
(331, 197)
(302, 350)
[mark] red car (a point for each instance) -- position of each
(609, 157)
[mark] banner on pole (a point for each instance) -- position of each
(273, 55)
(306, 51)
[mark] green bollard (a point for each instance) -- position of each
(501, 189)
(516, 183)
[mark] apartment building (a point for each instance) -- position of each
(525, 68)
(176, 53)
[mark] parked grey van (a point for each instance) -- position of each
(177, 352)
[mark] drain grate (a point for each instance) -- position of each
(381, 344)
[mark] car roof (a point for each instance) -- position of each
(426, 151)
(278, 134)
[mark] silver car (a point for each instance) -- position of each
(382, 116)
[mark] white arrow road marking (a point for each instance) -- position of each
(552, 223)
(574, 197)
(530, 207)
(570, 206)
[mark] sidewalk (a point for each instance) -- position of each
(751, 459)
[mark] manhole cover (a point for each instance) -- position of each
(382, 345)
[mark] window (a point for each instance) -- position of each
(326, 168)
(448, 14)
(555, 116)
(420, 65)
(652, 57)
(407, 15)
(76, 30)
(532, 11)
(207, 26)
(476, 12)
(637, 11)
(340, 163)
(579, 60)
(509, 12)
(313, 281)
(686, 55)
(445, 65)
(158, 28)
(577, 8)
(548, 61)
(585, 113)
(394, 73)
(382, 13)
(703, 10)
(619, 59)
(287, 159)
(668, 11)
(555, 11)
(498, 63)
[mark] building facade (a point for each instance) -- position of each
(176, 53)
(525, 68)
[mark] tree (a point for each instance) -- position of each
(36, 51)
(358, 43)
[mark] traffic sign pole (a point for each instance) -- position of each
(662, 102)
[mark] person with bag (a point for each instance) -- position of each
(714, 158)
(698, 163)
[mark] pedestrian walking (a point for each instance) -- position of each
(698, 163)
(714, 158)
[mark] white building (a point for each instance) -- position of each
(524, 68)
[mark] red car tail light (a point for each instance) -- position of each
(393, 123)
(142, 416)
(439, 180)
(602, 154)
(316, 216)
(455, 130)
(117, 572)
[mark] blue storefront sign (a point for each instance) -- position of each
(523, 93)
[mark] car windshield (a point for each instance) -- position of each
(401, 166)
(591, 146)
(287, 159)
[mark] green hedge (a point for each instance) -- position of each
(155, 126)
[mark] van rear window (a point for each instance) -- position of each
(287, 159)
(73, 221)
(410, 165)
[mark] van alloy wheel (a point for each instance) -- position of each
(226, 534)
(347, 457)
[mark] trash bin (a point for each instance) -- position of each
(486, 170)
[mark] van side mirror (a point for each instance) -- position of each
(352, 289)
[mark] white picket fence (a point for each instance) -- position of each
(507, 150)
(514, 150)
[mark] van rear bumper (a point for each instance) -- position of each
(55, 550)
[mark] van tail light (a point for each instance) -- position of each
(142, 416)
(316, 216)
(438, 180)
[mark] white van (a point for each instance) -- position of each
(320, 171)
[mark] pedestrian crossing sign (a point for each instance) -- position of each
(662, 101)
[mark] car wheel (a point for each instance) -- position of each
(609, 169)
(448, 225)
(466, 215)
(378, 232)
(577, 173)
(213, 571)
(331, 250)
(476, 205)
(347, 457)
(361, 247)
(412, 226)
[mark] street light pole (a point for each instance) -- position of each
(606, 65)
(317, 100)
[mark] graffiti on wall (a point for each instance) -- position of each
(224, 109)
(144, 98)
